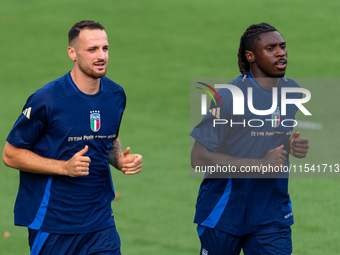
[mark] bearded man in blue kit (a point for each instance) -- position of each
(62, 144)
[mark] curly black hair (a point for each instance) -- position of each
(248, 39)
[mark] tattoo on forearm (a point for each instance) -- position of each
(116, 150)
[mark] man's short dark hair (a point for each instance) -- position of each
(88, 24)
(248, 40)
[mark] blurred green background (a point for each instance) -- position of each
(155, 48)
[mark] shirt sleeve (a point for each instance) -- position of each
(31, 123)
(214, 128)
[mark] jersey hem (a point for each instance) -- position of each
(16, 144)
(199, 139)
(74, 231)
(263, 228)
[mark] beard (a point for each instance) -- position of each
(90, 72)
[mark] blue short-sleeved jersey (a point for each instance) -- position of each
(57, 121)
(244, 205)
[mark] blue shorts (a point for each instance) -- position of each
(278, 241)
(103, 242)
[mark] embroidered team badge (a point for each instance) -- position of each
(95, 120)
(276, 118)
(204, 251)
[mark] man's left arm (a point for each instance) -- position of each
(298, 146)
(122, 160)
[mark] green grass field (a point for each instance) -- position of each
(155, 48)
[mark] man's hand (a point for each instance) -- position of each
(298, 146)
(275, 157)
(79, 164)
(130, 163)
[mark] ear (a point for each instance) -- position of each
(250, 56)
(72, 53)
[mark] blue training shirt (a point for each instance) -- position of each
(245, 205)
(57, 121)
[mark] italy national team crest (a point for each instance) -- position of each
(276, 118)
(95, 120)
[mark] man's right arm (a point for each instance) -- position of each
(202, 156)
(28, 161)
